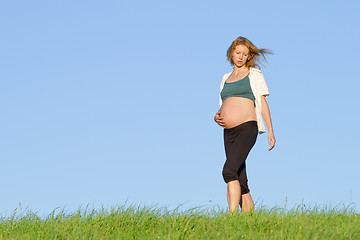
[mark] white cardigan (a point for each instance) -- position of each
(259, 88)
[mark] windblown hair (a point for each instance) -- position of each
(254, 52)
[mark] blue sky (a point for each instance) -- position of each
(107, 102)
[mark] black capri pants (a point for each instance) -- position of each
(238, 142)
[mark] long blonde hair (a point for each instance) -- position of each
(254, 52)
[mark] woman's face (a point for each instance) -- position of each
(240, 55)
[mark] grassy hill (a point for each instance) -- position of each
(159, 223)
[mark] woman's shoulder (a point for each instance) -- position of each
(255, 70)
(256, 74)
(225, 76)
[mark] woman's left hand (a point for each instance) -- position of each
(272, 140)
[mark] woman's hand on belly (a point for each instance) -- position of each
(218, 119)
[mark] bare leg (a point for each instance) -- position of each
(228, 196)
(247, 204)
(234, 193)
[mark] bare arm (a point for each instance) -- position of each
(266, 114)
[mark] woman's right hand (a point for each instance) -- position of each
(219, 120)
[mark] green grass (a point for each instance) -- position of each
(134, 222)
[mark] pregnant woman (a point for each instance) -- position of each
(242, 106)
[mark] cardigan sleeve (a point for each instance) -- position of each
(263, 88)
(221, 87)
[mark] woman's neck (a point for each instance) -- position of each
(240, 70)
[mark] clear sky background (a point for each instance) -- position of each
(112, 102)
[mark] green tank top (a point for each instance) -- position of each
(240, 88)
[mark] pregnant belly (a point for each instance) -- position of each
(237, 110)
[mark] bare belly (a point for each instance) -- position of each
(237, 110)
